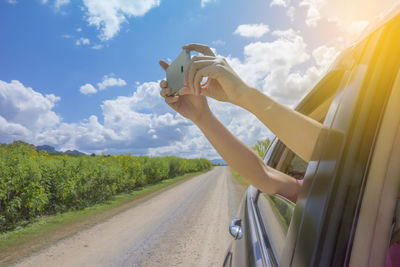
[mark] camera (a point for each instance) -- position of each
(176, 71)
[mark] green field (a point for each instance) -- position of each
(34, 183)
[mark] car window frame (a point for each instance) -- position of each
(276, 154)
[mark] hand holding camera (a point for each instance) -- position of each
(222, 83)
(190, 106)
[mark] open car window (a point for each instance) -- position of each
(275, 211)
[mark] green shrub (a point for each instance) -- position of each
(34, 183)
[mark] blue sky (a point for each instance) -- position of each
(83, 74)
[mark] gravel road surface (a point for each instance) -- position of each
(186, 225)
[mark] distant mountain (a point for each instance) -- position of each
(218, 162)
(48, 149)
(52, 150)
(74, 152)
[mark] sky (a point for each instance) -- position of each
(84, 74)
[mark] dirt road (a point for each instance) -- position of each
(186, 225)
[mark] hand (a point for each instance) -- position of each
(190, 106)
(223, 83)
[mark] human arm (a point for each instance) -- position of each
(300, 133)
(245, 161)
(239, 156)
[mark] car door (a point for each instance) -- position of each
(325, 219)
(325, 222)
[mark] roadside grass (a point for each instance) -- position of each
(44, 230)
(239, 178)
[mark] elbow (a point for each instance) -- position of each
(264, 180)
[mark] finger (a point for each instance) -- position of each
(165, 92)
(163, 64)
(197, 58)
(163, 84)
(171, 99)
(185, 91)
(193, 68)
(204, 49)
(209, 72)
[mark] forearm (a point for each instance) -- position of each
(298, 132)
(244, 160)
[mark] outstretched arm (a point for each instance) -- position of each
(240, 157)
(245, 161)
(298, 132)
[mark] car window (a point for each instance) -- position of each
(276, 211)
(275, 154)
(270, 149)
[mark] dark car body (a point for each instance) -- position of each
(345, 214)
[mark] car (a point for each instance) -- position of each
(348, 210)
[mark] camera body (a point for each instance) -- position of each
(176, 71)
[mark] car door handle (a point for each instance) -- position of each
(235, 228)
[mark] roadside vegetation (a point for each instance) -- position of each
(44, 230)
(34, 183)
(239, 178)
(261, 147)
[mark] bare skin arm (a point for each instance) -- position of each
(239, 156)
(245, 161)
(298, 132)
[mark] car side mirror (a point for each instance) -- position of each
(235, 228)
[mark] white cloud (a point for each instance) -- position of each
(313, 11)
(206, 2)
(97, 47)
(291, 12)
(88, 89)
(66, 36)
(110, 81)
(79, 29)
(10, 131)
(346, 12)
(22, 109)
(108, 16)
(131, 124)
(59, 3)
(12, 2)
(218, 42)
(260, 58)
(290, 9)
(274, 67)
(324, 56)
(283, 3)
(252, 30)
(82, 41)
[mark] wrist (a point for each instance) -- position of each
(244, 98)
(204, 119)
